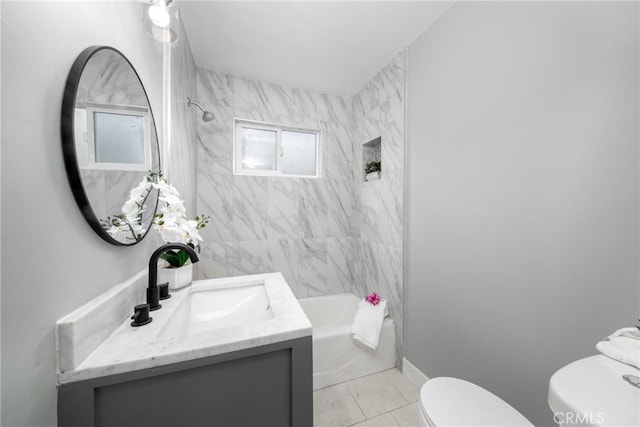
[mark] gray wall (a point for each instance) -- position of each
(52, 262)
(522, 191)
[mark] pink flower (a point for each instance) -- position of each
(373, 298)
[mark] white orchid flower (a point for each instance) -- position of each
(170, 219)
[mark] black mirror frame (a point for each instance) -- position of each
(68, 141)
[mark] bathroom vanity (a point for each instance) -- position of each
(230, 352)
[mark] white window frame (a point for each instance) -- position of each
(237, 148)
(84, 115)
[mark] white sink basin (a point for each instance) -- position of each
(591, 392)
(207, 308)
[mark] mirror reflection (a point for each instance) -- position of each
(110, 144)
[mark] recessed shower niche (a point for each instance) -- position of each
(371, 160)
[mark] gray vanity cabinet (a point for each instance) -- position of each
(264, 386)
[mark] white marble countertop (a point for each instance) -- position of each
(130, 348)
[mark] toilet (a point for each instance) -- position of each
(448, 401)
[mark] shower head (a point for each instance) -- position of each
(207, 116)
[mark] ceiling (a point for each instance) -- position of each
(331, 47)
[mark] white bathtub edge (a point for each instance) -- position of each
(336, 358)
(415, 375)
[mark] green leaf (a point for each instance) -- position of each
(175, 259)
(171, 258)
(183, 257)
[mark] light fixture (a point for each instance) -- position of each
(159, 15)
(157, 21)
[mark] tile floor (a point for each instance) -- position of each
(385, 399)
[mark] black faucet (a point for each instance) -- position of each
(153, 292)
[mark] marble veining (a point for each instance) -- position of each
(312, 208)
(249, 208)
(312, 267)
(80, 332)
(271, 223)
(215, 198)
(283, 257)
(328, 235)
(249, 257)
(105, 189)
(341, 263)
(107, 79)
(379, 111)
(214, 260)
(131, 349)
(183, 121)
(282, 209)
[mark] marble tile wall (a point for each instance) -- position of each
(329, 235)
(108, 190)
(107, 79)
(378, 224)
(301, 227)
(183, 138)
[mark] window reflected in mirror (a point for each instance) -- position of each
(112, 137)
(109, 144)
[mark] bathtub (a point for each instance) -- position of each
(336, 358)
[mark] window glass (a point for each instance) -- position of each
(119, 138)
(275, 150)
(298, 153)
(259, 149)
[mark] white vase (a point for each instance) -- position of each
(372, 176)
(177, 277)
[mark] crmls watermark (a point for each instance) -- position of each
(568, 418)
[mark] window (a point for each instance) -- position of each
(114, 137)
(268, 149)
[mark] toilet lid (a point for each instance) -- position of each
(455, 402)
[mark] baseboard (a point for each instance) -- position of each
(414, 374)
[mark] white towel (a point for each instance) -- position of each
(630, 332)
(367, 323)
(623, 345)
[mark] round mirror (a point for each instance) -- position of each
(110, 145)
